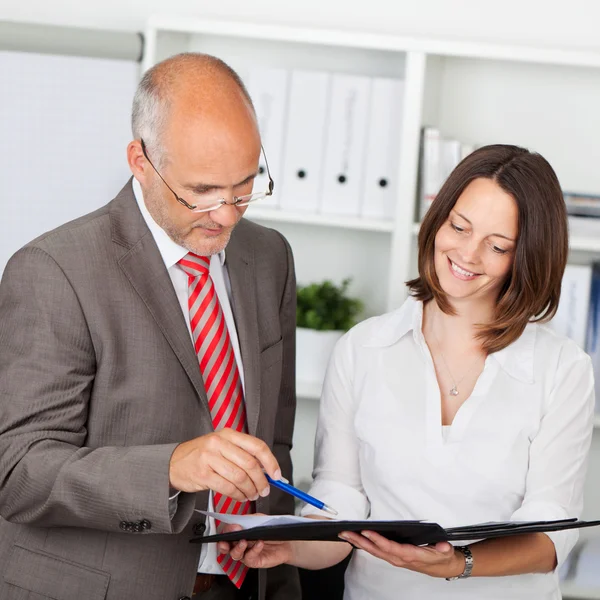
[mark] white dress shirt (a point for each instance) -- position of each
(171, 253)
(516, 450)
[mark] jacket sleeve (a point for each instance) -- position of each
(48, 477)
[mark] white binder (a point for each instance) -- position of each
(430, 168)
(450, 157)
(571, 318)
(304, 141)
(268, 88)
(383, 149)
(345, 145)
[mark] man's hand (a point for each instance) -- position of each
(225, 461)
(256, 554)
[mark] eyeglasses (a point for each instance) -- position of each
(210, 203)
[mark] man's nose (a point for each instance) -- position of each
(226, 215)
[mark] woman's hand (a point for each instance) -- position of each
(440, 560)
(256, 554)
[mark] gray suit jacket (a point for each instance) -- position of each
(99, 382)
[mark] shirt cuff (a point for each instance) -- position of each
(348, 501)
(173, 501)
(564, 540)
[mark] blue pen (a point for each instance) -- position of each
(290, 489)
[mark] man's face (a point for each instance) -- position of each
(206, 159)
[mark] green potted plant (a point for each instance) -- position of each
(324, 312)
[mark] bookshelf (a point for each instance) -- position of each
(478, 93)
(275, 215)
(545, 99)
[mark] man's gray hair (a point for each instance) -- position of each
(151, 102)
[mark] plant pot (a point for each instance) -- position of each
(313, 349)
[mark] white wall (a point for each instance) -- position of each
(561, 23)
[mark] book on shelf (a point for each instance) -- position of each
(588, 227)
(593, 329)
(582, 205)
(571, 318)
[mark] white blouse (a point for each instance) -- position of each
(516, 450)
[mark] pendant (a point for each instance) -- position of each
(454, 391)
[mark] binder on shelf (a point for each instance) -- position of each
(451, 156)
(429, 173)
(593, 329)
(582, 205)
(404, 532)
(268, 88)
(378, 198)
(439, 157)
(571, 318)
(304, 141)
(345, 143)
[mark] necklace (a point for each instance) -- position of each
(454, 389)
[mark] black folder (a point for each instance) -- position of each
(404, 532)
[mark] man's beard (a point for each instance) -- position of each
(206, 247)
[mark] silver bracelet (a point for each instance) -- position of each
(468, 563)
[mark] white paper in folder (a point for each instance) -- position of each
(304, 140)
(268, 88)
(382, 158)
(345, 145)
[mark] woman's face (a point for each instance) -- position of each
(474, 248)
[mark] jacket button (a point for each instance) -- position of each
(123, 525)
(199, 528)
(145, 524)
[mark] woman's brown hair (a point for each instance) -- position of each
(532, 289)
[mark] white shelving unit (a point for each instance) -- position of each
(475, 92)
(274, 215)
(545, 99)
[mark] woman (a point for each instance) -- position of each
(459, 407)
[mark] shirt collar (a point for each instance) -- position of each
(517, 359)
(170, 251)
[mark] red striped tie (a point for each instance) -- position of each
(221, 377)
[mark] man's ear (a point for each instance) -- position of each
(137, 161)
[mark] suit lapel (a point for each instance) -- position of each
(240, 268)
(143, 265)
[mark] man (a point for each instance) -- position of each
(147, 365)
